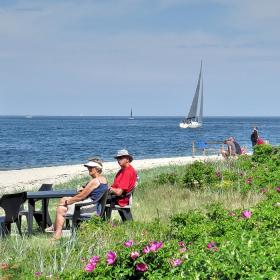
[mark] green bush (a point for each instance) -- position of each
(266, 153)
(199, 175)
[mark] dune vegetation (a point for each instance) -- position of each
(207, 220)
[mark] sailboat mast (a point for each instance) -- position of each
(201, 103)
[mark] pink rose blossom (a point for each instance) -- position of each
(94, 259)
(176, 262)
(146, 250)
(246, 214)
(278, 189)
(155, 246)
(90, 267)
(211, 245)
(181, 244)
(141, 267)
(249, 181)
(218, 174)
(182, 249)
(111, 258)
(134, 255)
(128, 243)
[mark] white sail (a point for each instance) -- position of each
(195, 115)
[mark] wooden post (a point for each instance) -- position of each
(193, 149)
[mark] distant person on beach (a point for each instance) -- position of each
(231, 151)
(92, 191)
(254, 136)
(125, 179)
(237, 146)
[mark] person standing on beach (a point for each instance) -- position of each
(125, 179)
(92, 191)
(254, 136)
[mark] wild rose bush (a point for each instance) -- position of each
(211, 245)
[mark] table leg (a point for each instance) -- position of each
(44, 213)
(31, 206)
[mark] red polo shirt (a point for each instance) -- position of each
(125, 180)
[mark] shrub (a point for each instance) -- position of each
(199, 174)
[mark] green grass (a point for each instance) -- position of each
(153, 204)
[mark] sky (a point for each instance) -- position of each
(104, 57)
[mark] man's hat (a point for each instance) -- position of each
(124, 153)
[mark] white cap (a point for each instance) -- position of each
(93, 164)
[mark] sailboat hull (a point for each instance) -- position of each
(190, 125)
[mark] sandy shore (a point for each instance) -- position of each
(13, 181)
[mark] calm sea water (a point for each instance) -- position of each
(47, 141)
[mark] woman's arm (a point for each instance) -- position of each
(93, 184)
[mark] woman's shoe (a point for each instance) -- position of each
(49, 229)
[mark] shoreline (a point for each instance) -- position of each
(13, 181)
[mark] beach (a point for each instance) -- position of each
(14, 181)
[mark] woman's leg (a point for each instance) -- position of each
(60, 217)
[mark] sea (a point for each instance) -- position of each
(39, 141)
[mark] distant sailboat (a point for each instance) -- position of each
(194, 118)
(131, 115)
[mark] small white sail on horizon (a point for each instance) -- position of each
(194, 118)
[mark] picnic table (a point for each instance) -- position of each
(44, 196)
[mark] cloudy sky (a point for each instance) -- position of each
(102, 57)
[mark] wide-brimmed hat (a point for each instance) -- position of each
(124, 153)
(93, 164)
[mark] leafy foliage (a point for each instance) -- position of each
(199, 175)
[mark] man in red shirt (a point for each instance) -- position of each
(125, 179)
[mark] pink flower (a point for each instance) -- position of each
(181, 244)
(134, 255)
(218, 174)
(128, 243)
(211, 245)
(278, 189)
(176, 262)
(246, 214)
(249, 181)
(38, 273)
(156, 245)
(141, 267)
(183, 250)
(111, 258)
(94, 259)
(90, 267)
(146, 250)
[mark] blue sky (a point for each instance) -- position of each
(102, 57)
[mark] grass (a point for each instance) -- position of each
(153, 204)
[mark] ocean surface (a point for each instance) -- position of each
(48, 141)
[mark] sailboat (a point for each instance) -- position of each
(131, 115)
(194, 118)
